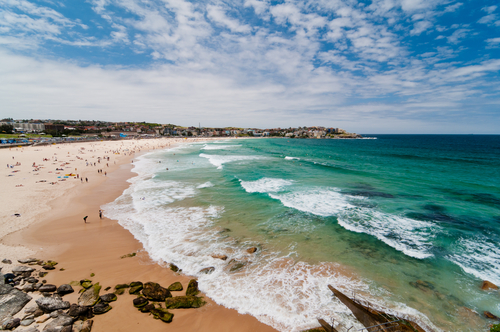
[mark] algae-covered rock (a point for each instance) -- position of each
(110, 297)
(192, 288)
(163, 314)
(101, 308)
(135, 287)
(86, 283)
(153, 291)
(90, 296)
(174, 267)
(184, 302)
(120, 288)
(140, 302)
(175, 287)
(147, 308)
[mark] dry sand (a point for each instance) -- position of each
(51, 226)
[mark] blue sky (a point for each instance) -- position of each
(383, 66)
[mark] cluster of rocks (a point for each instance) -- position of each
(232, 266)
(151, 297)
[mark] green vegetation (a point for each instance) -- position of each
(27, 136)
(7, 129)
(495, 328)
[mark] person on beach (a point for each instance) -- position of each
(86, 179)
(85, 219)
(100, 214)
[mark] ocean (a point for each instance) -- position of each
(410, 223)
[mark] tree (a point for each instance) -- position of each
(7, 129)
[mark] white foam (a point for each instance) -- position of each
(410, 236)
(219, 147)
(265, 185)
(291, 158)
(219, 160)
(478, 256)
(205, 185)
(321, 202)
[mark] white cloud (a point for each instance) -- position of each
(218, 15)
(489, 9)
(487, 19)
(420, 27)
(457, 35)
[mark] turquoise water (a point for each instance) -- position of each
(407, 222)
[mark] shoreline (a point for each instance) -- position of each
(96, 247)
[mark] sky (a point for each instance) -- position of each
(381, 66)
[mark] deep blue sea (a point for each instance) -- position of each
(410, 223)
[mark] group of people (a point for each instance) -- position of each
(100, 216)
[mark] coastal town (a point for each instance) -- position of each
(117, 130)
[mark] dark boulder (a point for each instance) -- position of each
(155, 292)
(192, 288)
(48, 267)
(174, 267)
(101, 308)
(147, 308)
(140, 302)
(120, 288)
(135, 287)
(47, 288)
(11, 323)
(21, 270)
(184, 302)
(12, 300)
(487, 285)
(489, 315)
(175, 287)
(6, 261)
(162, 314)
(110, 297)
(80, 312)
(65, 289)
(32, 280)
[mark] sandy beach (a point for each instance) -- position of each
(48, 190)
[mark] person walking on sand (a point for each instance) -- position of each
(100, 214)
(85, 219)
(86, 179)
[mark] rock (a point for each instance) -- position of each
(27, 322)
(82, 326)
(175, 287)
(174, 267)
(32, 280)
(18, 270)
(49, 304)
(65, 289)
(29, 288)
(147, 308)
(135, 287)
(30, 310)
(38, 312)
(90, 296)
(48, 267)
(11, 323)
(487, 285)
(223, 257)
(6, 261)
(48, 288)
(31, 329)
(43, 319)
(42, 274)
(120, 288)
(110, 297)
(192, 288)
(101, 308)
(155, 292)
(59, 324)
(236, 266)
(184, 302)
(140, 302)
(12, 300)
(27, 260)
(86, 283)
(208, 270)
(489, 315)
(252, 250)
(163, 314)
(81, 312)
